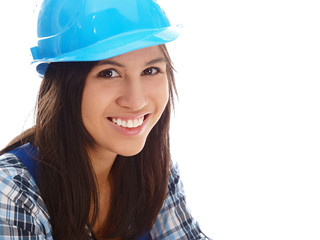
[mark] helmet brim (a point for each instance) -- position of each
(115, 46)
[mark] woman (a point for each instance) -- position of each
(96, 165)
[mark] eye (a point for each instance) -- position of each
(151, 71)
(108, 73)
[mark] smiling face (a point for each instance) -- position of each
(123, 98)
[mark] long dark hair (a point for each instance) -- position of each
(66, 177)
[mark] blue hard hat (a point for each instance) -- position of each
(92, 30)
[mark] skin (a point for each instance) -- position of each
(126, 86)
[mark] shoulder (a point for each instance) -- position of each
(174, 220)
(175, 185)
(23, 212)
(14, 177)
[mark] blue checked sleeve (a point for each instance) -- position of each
(174, 221)
(23, 214)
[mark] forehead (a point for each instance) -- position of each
(140, 55)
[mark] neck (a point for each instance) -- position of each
(102, 161)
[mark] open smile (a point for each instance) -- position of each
(128, 123)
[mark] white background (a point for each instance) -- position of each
(246, 131)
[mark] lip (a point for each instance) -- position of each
(129, 131)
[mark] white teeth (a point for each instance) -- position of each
(128, 124)
(141, 120)
(123, 124)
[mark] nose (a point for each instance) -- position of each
(133, 95)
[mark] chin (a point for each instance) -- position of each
(130, 152)
(132, 149)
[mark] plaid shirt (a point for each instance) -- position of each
(23, 214)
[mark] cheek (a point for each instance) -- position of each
(94, 101)
(160, 93)
(88, 107)
(164, 95)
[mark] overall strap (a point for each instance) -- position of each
(144, 237)
(27, 154)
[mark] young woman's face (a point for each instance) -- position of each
(123, 99)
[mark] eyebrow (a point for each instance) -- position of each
(110, 62)
(157, 60)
